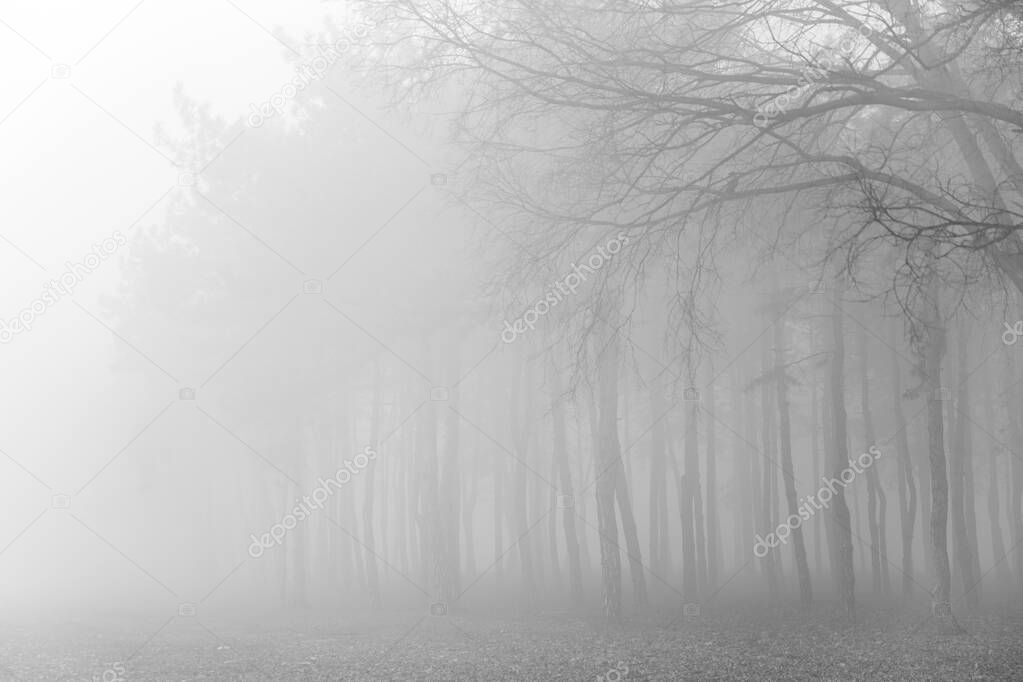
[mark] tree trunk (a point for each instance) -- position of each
(606, 471)
(767, 444)
(660, 559)
(519, 425)
(713, 526)
(994, 505)
(698, 581)
(815, 450)
(451, 484)
(568, 511)
(636, 570)
(752, 460)
(841, 528)
(958, 464)
(788, 473)
(906, 482)
(933, 334)
(876, 500)
(1016, 472)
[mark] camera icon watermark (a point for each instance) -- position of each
(566, 501)
(187, 179)
(438, 609)
(438, 179)
(1012, 333)
(60, 71)
(61, 501)
(943, 393)
(186, 610)
(312, 286)
(691, 394)
(691, 610)
(439, 394)
(186, 393)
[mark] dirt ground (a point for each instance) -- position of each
(726, 643)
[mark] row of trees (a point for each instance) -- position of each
(863, 151)
(881, 139)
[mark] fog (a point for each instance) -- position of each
(399, 339)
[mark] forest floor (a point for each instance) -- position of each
(731, 643)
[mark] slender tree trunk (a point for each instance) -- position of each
(636, 570)
(876, 499)
(698, 584)
(613, 459)
(815, 450)
(606, 471)
(906, 482)
(433, 513)
(713, 526)
(752, 470)
(768, 441)
(519, 424)
(924, 473)
(659, 540)
(451, 483)
(958, 464)
(568, 511)
(788, 473)
(584, 548)
(994, 505)
(740, 468)
(690, 584)
(841, 525)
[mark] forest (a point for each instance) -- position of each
(530, 340)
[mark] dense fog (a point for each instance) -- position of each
(419, 339)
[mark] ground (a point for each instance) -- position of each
(725, 643)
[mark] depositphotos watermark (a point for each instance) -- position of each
(810, 74)
(567, 284)
(305, 508)
(64, 286)
(305, 73)
(811, 505)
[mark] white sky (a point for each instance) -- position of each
(76, 167)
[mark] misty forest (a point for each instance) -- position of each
(526, 340)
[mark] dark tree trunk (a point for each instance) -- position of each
(877, 502)
(994, 504)
(933, 349)
(785, 442)
(906, 482)
(841, 525)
